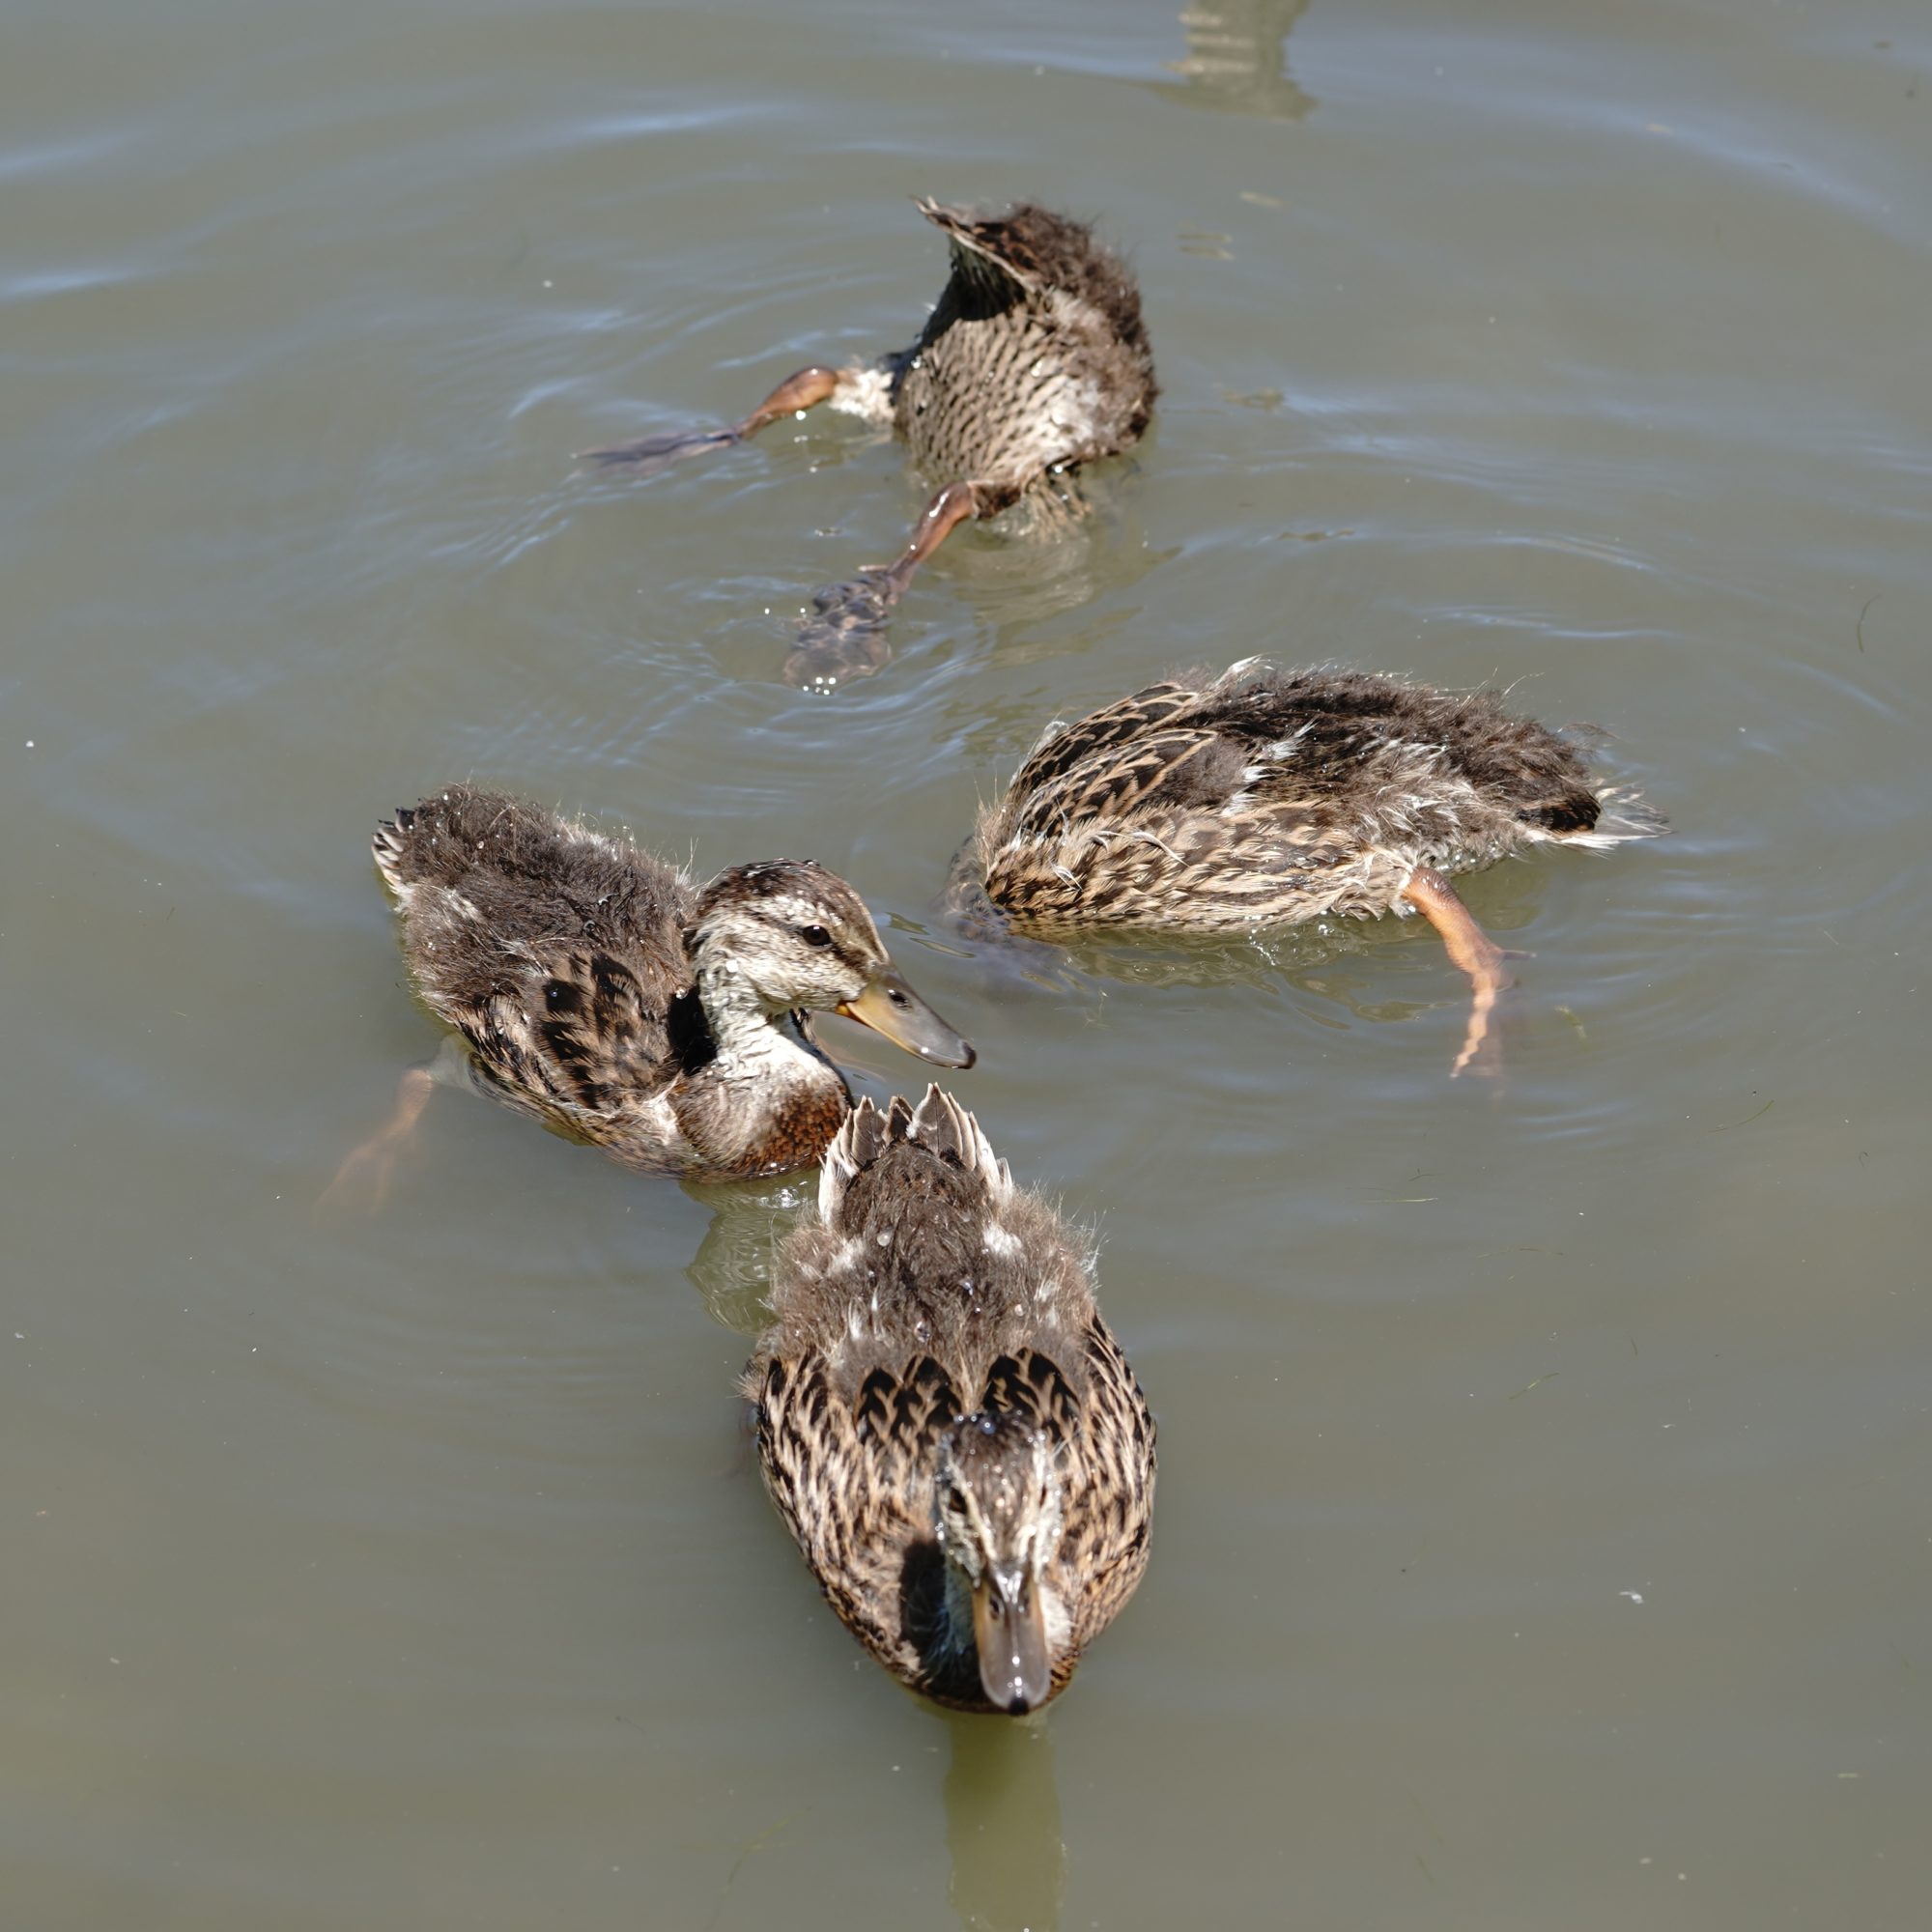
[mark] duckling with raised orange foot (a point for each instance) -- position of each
(1033, 362)
(1261, 797)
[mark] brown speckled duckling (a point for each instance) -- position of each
(946, 1424)
(598, 989)
(1263, 797)
(1033, 360)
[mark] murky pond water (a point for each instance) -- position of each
(1542, 1535)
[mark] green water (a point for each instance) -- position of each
(1542, 1538)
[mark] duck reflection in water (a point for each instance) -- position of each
(1236, 57)
(1003, 1830)
(732, 1267)
(1033, 362)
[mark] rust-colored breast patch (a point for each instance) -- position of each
(800, 1130)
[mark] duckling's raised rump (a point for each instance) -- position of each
(599, 989)
(1263, 797)
(946, 1424)
(1033, 360)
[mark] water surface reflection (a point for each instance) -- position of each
(1002, 1832)
(1236, 57)
(732, 1267)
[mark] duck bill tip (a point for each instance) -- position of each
(1009, 1635)
(889, 1007)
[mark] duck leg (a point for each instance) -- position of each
(845, 636)
(362, 1181)
(1477, 955)
(795, 394)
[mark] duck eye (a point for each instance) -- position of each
(814, 935)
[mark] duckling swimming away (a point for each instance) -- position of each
(1261, 797)
(946, 1424)
(1033, 362)
(598, 989)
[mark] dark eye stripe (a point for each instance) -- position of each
(856, 962)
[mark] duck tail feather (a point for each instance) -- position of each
(1622, 813)
(943, 1128)
(854, 1147)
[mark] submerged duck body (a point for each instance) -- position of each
(1033, 362)
(1261, 797)
(944, 1422)
(601, 990)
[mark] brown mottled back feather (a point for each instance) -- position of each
(930, 1287)
(1034, 358)
(1269, 797)
(559, 953)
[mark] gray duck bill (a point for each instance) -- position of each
(1009, 1633)
(888, 1005)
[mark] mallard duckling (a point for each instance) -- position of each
(1033, 362)
(1263, 797)
(946, 1424)
(598, 989)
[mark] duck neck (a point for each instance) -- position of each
(766, 1100)
(747, 1033)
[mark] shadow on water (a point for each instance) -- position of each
(1236, 57)
(1008, 1861)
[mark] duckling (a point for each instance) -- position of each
(946, 1424)
(1033, 360)
(598, 989)
(1261, 797)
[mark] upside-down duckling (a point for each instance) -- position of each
(1033, 360)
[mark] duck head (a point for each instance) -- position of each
(785, 934)
(998, 1503)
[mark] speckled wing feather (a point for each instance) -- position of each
(851, 1475)
(1033, 360)
(1176, 770)
(1064, 746)
(580, 1027)
(1267, 797)
(557, 952)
